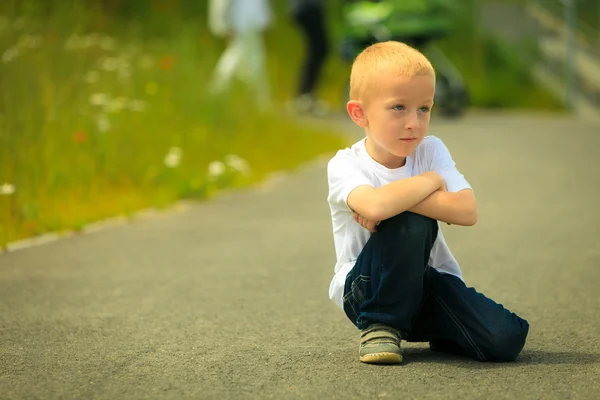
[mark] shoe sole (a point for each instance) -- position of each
(381, 358)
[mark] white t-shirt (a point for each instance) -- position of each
(353, 167)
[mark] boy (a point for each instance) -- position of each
(395, 277)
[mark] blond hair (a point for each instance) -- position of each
(390, 56)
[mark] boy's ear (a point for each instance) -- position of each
(357, 113)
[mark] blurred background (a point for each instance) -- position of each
(111, 106)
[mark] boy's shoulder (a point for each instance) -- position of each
(429, 141)
(348, 155)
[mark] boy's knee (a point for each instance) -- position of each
(505, 344)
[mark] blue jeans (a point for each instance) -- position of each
(393, 284)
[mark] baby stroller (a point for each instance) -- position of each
(415, 22)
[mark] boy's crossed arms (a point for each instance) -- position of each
(424, 194)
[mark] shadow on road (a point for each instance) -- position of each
(527, 357)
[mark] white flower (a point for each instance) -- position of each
(10, 55)
(216, 168)
(173, 157)
(99, 99)
(238, 163)
(91, 77)
(136, 105)
(103, 123)
(6, 189)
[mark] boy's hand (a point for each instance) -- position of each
(371, 226)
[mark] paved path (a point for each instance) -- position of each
(229, 298)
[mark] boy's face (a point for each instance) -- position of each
(397, 116)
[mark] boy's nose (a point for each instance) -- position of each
(412, 121)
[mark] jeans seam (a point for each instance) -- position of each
(461, 327)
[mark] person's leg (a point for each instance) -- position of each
(457, 319)
(312, 23)
(255, 68)
(386, 284)
(228, 64)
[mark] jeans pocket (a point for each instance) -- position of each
(355, 295)
(360, 287)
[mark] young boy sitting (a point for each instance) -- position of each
(395, 277)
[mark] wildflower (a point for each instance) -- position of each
(173, 157)
(10, 55)
(167, 63)
(99, 99)
(91, 77)
(6, 189)
(238, 163)
(216, 168)
(79, 136)
(151, 88)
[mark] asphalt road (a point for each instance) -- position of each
(228, 298)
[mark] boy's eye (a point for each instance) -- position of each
(398, 107)
(424, 109)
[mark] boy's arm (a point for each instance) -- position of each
(456, 208)
(394, 198)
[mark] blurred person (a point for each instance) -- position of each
(243, 23)
(395, 277)
(310, 16)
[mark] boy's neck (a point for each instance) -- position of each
(387, 160)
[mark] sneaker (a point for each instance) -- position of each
(380, 344)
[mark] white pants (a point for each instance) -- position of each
(244, 58)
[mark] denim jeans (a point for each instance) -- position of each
(393, 284)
